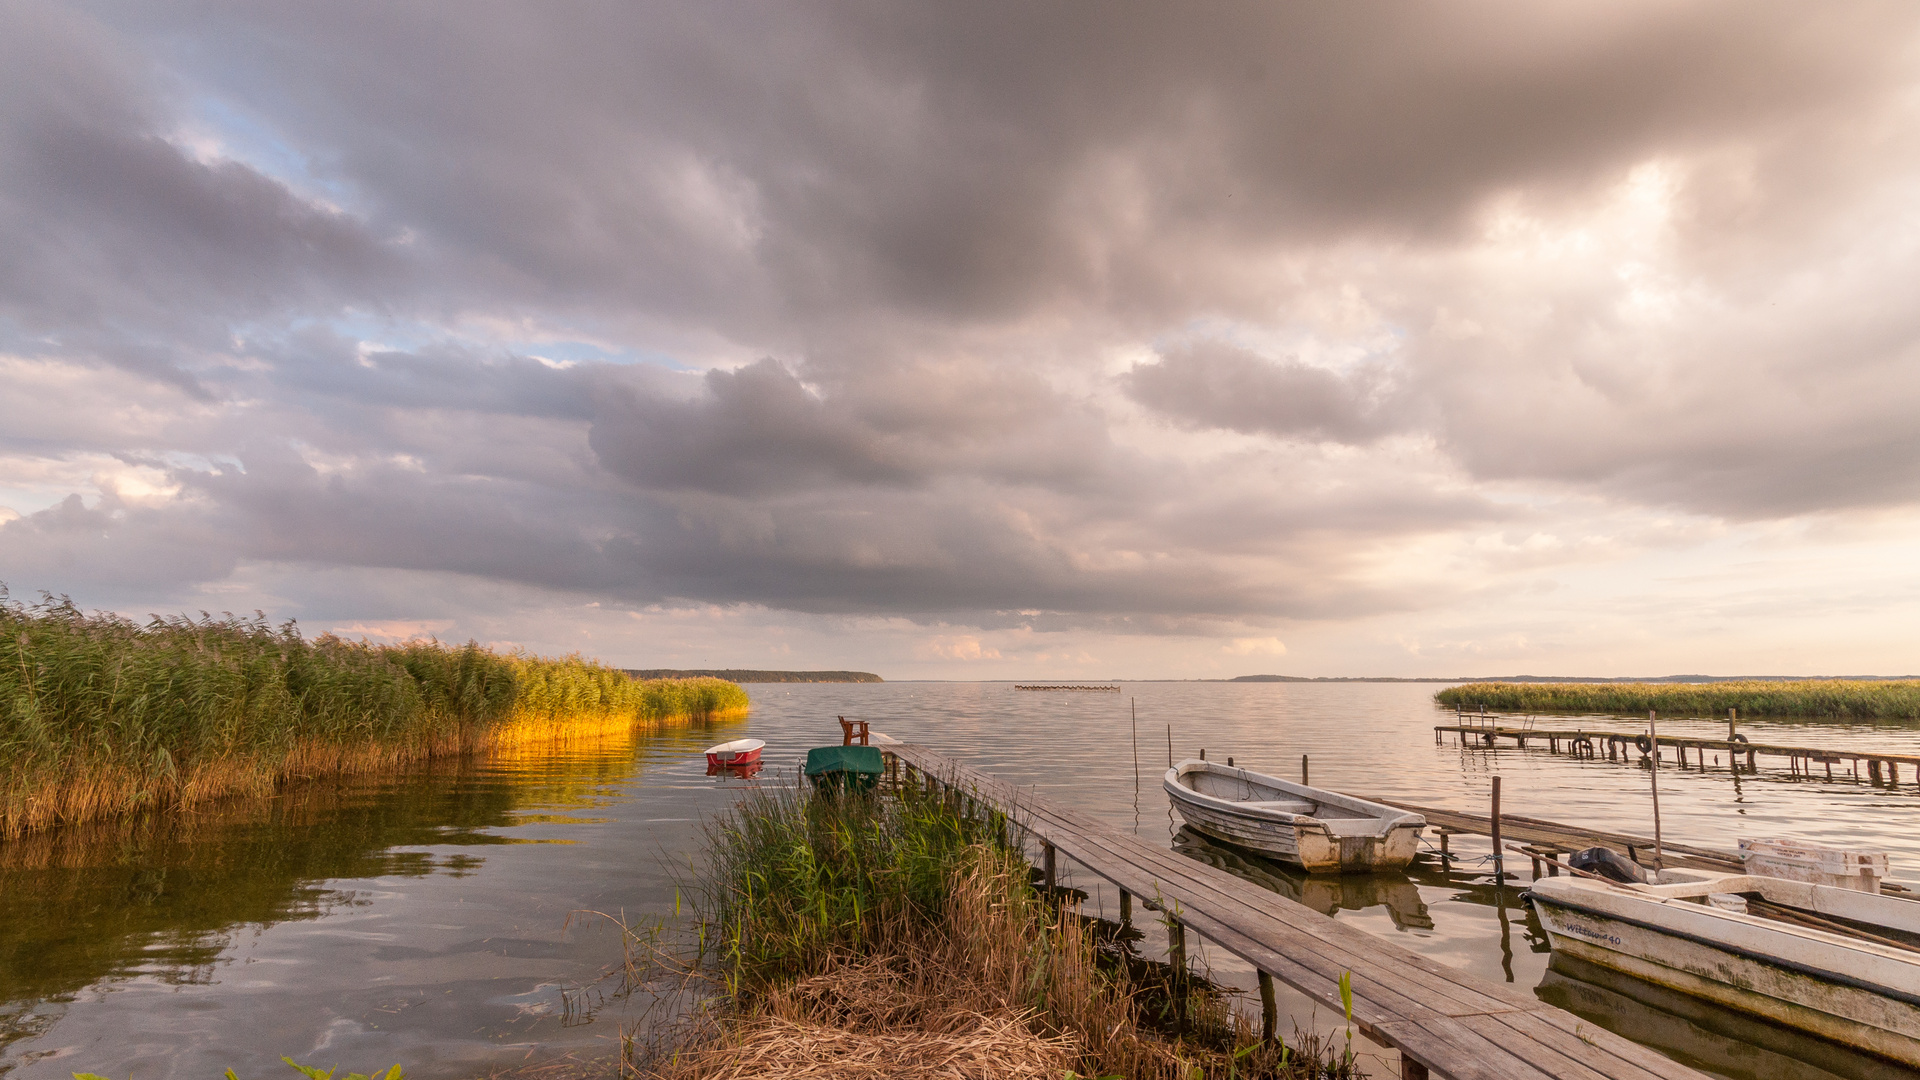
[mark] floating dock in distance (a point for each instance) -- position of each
(1443, 1021)
(1050, 686)
(1880, 767)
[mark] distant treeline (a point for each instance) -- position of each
(746, 675)
(1844, 699)
(100, 715)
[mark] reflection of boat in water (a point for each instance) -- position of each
(1843, 963)
(1700, 1033)
(1323, 831)
(746, 771)
(1323, 893)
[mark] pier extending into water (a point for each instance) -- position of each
(1442, 1021)
(1876, 766)
(1098, 688)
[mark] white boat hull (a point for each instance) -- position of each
(1366, 838)
(1862, 995)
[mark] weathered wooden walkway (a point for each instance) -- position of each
(1585, 743)
(1442, 1021)
(1546, 840)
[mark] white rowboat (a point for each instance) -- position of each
(1322, 831)
(1731, 939)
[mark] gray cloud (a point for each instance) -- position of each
(925, 262)
(1215, 385)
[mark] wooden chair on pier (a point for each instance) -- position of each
(854, 729)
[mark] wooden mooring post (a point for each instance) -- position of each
(1499, 865)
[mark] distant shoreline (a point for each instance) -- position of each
(750, 675)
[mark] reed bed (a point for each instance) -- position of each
(1839, 699)
(100, 715)
(847, 938)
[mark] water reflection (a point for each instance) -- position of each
(420, 920)
(1324, 893)
(1701, 1034)
(105, 913)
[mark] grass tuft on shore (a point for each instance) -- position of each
(896, 936)
(1838, 699)
(100, 715)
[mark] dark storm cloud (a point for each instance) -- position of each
(944, 223)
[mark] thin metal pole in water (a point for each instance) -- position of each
(1653, 734)
(1169, 746)
(1135, 710)
(1499, 863)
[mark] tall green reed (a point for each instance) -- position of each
(1843, 699)
(100, 714)
(795, 880)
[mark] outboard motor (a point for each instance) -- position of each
(1609, 864)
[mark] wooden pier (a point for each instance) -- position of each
(1096, 688)
(1545, 841)
(1442, 1021)
(1878, 767)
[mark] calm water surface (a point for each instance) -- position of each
(424, 919)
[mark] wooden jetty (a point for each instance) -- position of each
(1442, 1021)
(1879, 766)
(1545, 841)
(1098, 688)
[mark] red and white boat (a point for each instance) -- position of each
(737, 752)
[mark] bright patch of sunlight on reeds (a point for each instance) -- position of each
(100, 715)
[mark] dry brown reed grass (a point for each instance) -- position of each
(999, 984)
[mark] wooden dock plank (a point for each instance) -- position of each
(1456, 1025)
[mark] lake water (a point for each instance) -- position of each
(425, 919)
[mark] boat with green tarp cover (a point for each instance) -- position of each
(845, 768)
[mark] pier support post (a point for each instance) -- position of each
(1049, 868)
(1411, 1069)
(1873, 770)
(1304, 782)
(1269, 1012)
(1444, 853)
(1499, 862)
(1126, 908)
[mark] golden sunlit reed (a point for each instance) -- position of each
(100, 715)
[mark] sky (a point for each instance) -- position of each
(976, 341)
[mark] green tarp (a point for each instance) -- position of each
(845, 759)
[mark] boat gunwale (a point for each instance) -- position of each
(1387, 819)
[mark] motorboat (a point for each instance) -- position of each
(737, 752)
(1839, 960)
(1323, 831)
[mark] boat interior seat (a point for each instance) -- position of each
(1353, 826)
(1284, 806)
